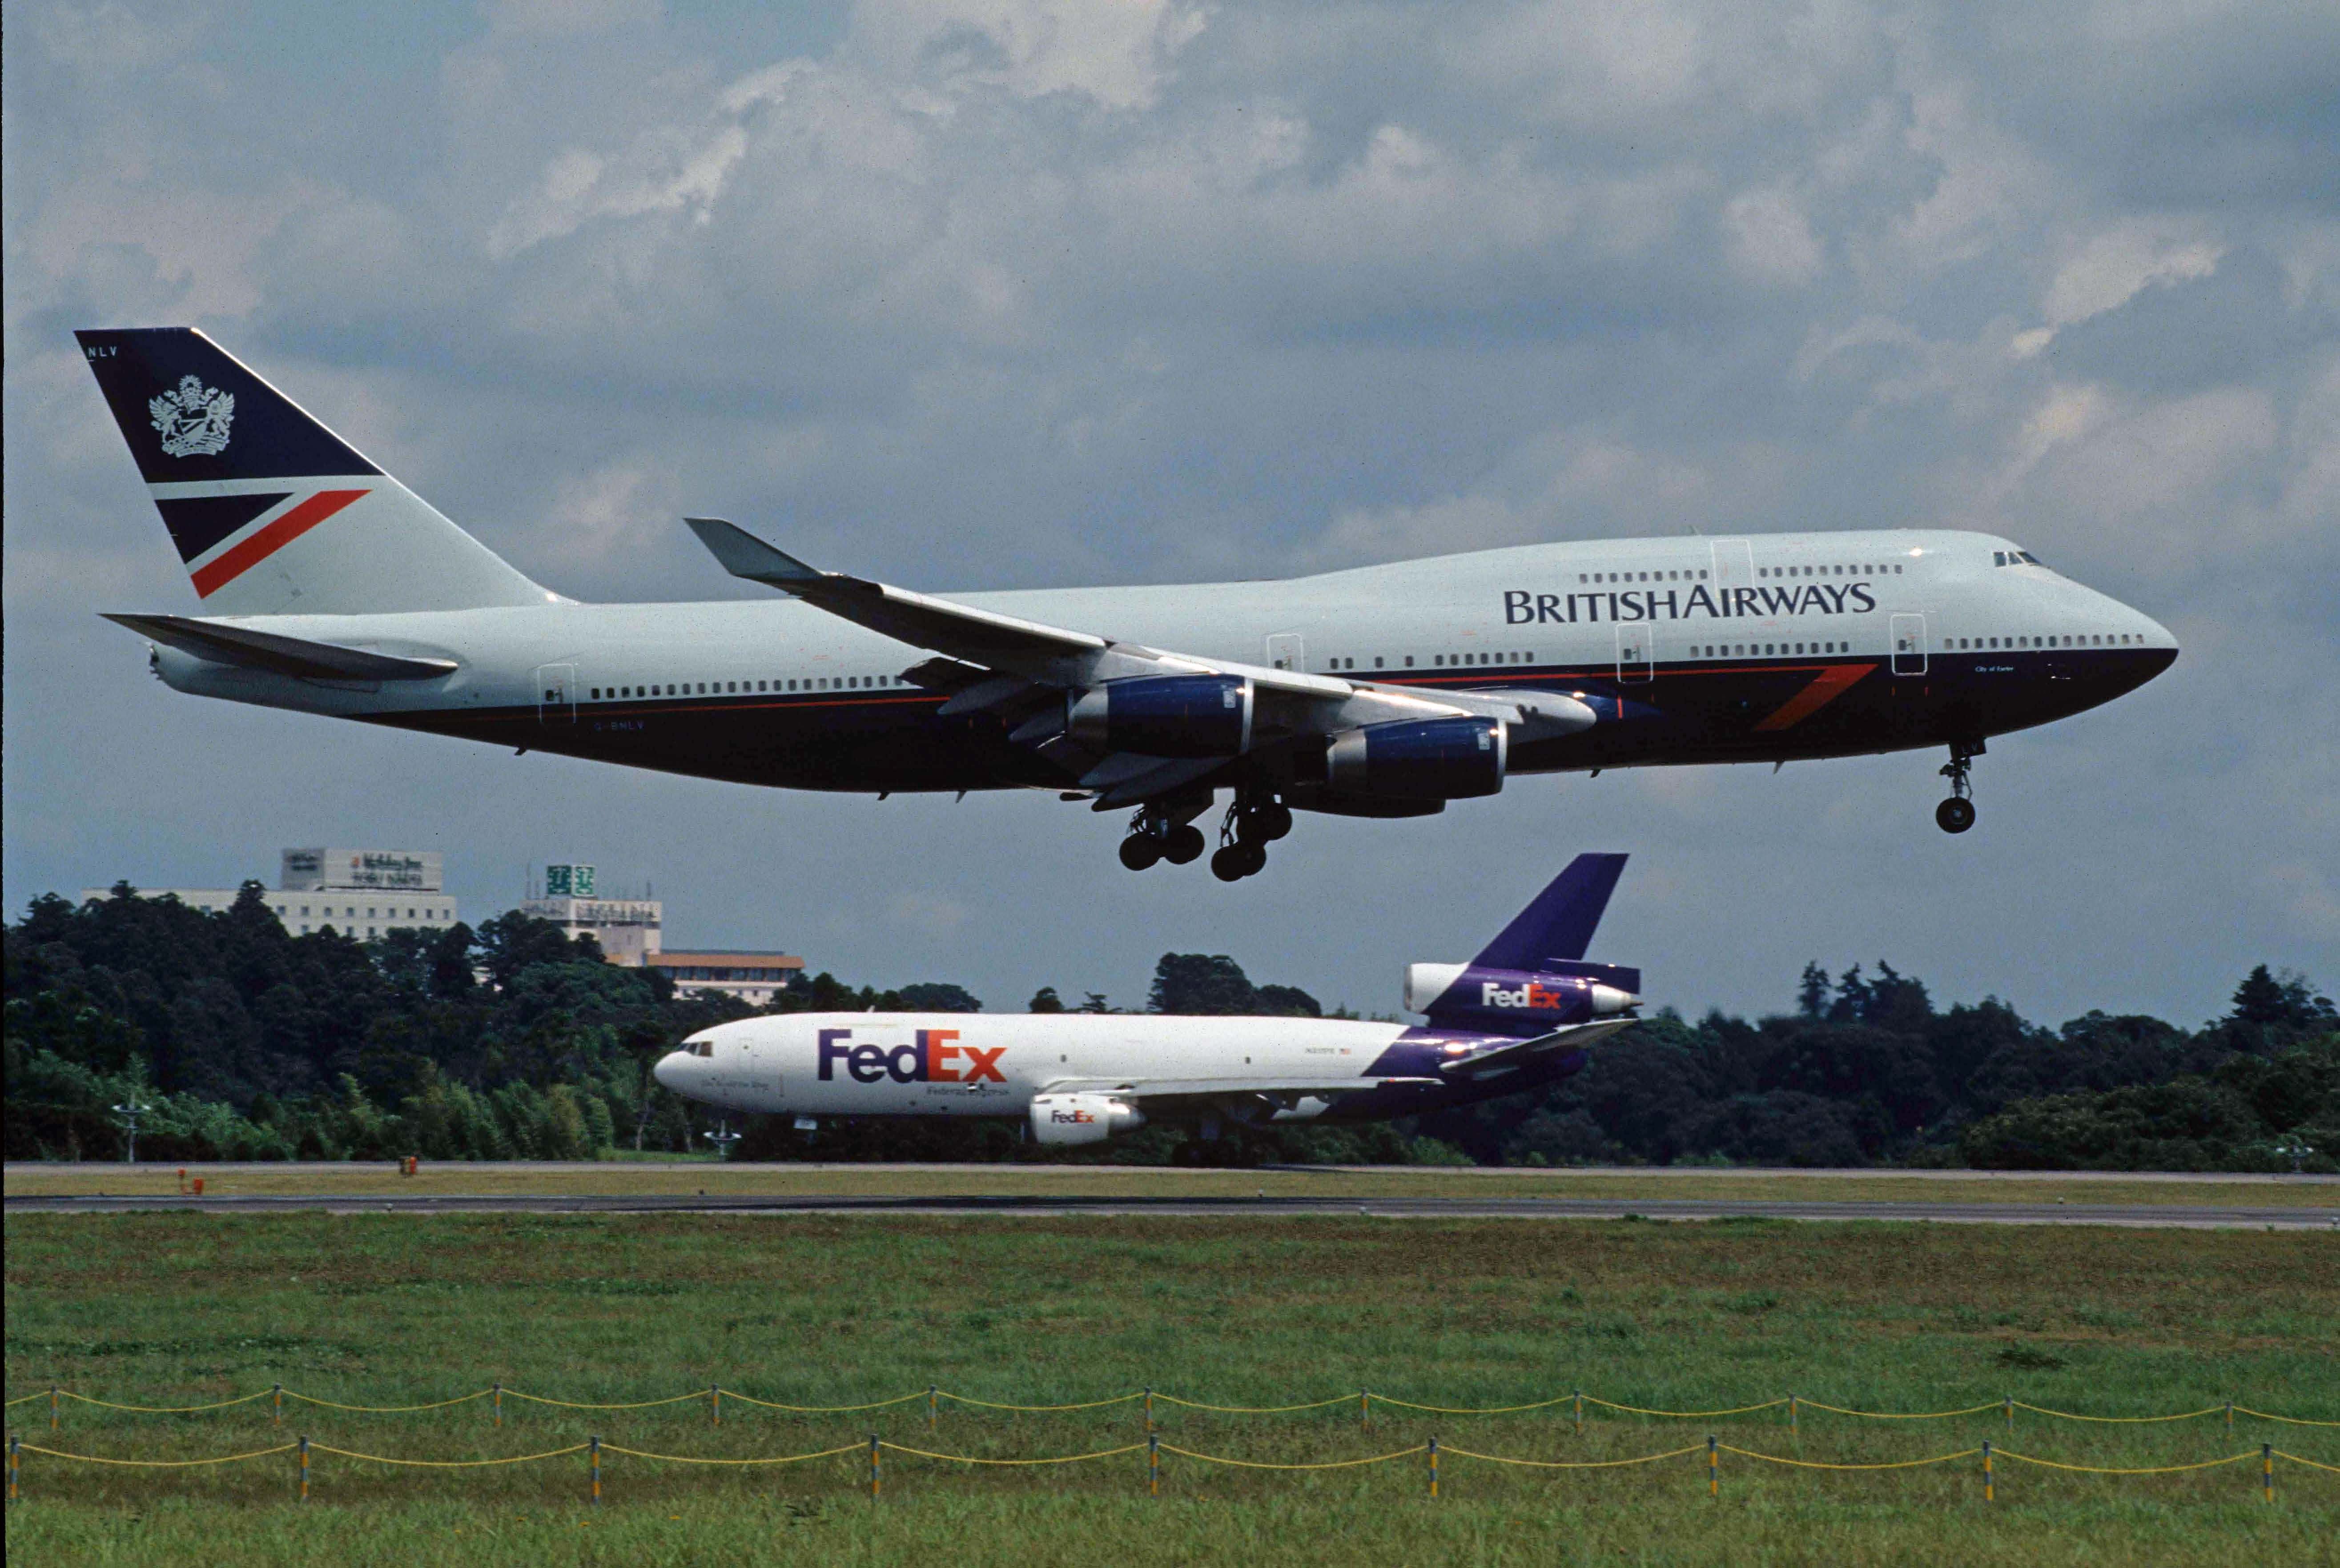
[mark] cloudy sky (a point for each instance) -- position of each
(990, 293)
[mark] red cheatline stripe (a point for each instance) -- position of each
(1826, 687)
(257, 548)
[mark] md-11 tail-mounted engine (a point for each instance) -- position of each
(1082, 1118)
(1420, 759)
(1512, 1001)
(1166, 716)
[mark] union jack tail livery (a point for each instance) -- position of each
(273, 513)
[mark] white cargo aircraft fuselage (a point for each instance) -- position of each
(1520, 1016)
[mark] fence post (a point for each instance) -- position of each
(1153, 1464)
(278, 1421)
(1792, 1412)
(304, 1467)
(16, 1463)
(1713, 1468)
(593, 1466)
(872, 1467)
(2230, 1415)
(52, 1407)
(499, 1403)
(2010, 1413)
(934, 1410)
(1989, 1487)
(1579, 1413)
(1366, 1408)
(1433, 1467)
(2267, 1469)
(715, 1402)
(1149, 1412)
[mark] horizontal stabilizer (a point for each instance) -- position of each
(283, 655)
(1526, 1052)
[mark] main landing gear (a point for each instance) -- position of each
(1957, 813)
(1253, 822)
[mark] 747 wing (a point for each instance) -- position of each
(1038, 677)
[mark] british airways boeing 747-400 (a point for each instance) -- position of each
(1386, 691)
(1517, 1017)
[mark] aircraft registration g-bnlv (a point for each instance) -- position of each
(1518, 1017)
(1384, 691)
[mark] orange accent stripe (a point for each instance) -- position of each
(1827, 687)
(258, 547)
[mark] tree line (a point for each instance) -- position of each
(509, 1041)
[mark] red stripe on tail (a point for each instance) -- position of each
(233, 562)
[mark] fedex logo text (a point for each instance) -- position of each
(933, 1058)
(1531, 995)
(1072, 1118)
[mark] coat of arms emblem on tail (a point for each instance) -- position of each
(194, 419)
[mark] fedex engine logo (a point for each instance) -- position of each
(934, 1058)
(1072, 1118)
(1535, 994)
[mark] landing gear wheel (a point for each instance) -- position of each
(1957, 813)
(1237, 861)
(1140, 850)
(1183, 844)
(1274, 821)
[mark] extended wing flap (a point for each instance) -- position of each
(283, 655)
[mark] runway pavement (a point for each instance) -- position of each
(1490, 1207)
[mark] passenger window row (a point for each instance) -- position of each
(1756, 650)
(1832, 571)
(725, 688)
(1683, 577)
(2089, 640)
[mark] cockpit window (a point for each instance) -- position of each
(700, 1046)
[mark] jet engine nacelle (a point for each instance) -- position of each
(1507, 999)
(1082, 1118)
(1420, 759)
(1166, 716)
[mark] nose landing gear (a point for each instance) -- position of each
(1957, 813)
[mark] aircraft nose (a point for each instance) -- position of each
(672, 1069)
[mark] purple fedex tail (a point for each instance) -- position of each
(1533, 978)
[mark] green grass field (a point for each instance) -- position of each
(170, 1308)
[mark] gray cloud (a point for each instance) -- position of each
(990, 292)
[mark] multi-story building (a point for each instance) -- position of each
(627, 928)
(360, 892)
(753, 977)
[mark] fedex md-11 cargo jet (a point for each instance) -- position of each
(1518, 1017)
(328, 587)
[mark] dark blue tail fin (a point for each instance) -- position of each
(1558, 925)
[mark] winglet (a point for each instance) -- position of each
(743, 554)
(1559, 924)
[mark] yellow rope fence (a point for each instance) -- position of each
(1153, 1448)
(1365, 1399)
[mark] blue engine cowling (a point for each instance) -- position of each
(1420, 759)
(1166, 716)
